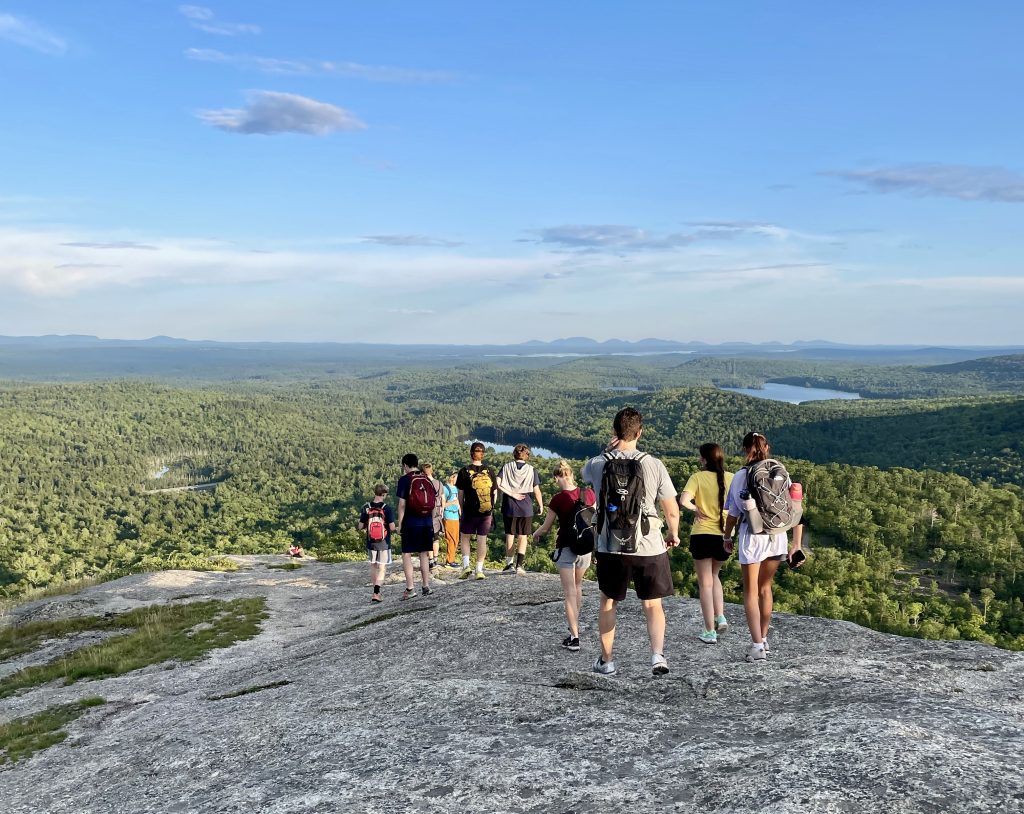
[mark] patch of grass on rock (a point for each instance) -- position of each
(157, 633)
(285, 566)
(24, 737)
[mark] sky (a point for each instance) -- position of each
(466, 172)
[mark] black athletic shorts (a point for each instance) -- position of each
(708, 546)
(651, 577)
(416, 539)
(519, 526)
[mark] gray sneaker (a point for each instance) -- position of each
(605, 668)
(659, 666)
(756, 653)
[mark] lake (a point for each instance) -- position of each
(535, 452)
(773, 391)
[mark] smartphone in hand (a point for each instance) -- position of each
(797, 558)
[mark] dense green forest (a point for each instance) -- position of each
(909, 550)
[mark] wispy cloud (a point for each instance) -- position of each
(117, 244)
(412, 312)
(203, 19)
(410, 240)
(315, 67)
(269, 113)
(609, 237)
(86, 266)
(618, 238)
(958, 181)
(25, 32)
(978, 285)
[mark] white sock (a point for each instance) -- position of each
(465, 561)
(479, 567)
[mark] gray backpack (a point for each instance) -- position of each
(768, 484)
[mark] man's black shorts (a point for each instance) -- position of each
(708, 546)
(417, 539)
(518, 526)
(651, 577)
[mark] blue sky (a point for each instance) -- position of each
(462, 172)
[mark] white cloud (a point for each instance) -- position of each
(58, 264)
(981, 284)
(203, 19)
(959, 181)
(410, 240)
(618, 238)
(270, 113)
(313, 67)
(22, 31)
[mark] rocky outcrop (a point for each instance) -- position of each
(464, 701)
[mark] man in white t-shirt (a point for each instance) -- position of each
(646, 565)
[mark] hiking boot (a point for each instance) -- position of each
(480, 575)
(377, 598)
(605, 668)
(709, 637)
(571, 642)
(721, 624)
(427, 591)
(520, 571)
(466, 573)
(756, 653)
(509, 568)
(659, 666)
(408, 593)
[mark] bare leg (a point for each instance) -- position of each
(716, 586)
(425, 568)
(579, 589)
(751, 604)
(510, 540)
(606, 626)
(522, 544)
(655, 614)
(466, 543)
(707, 591)
(572, 608)
(407, 568)
(764, 594)
(481, 551)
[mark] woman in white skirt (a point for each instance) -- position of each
(571, 567)
(759, 554)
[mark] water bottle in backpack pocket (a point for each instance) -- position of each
(620, 503)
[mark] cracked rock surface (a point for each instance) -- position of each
(464, 701)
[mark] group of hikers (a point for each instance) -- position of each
(619, 526)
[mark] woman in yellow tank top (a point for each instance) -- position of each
(704, 495)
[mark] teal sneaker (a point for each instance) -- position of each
(721, 624)
(709, 637)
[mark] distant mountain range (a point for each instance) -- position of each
(577, 344)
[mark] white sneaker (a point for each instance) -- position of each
(605, 668)
(756, 652)
(659, 666)
(766, 647)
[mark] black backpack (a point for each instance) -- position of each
(768, 484)
(620, 501)
(584, 538)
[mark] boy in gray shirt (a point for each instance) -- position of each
(640, 558)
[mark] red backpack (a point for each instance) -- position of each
(376, 523)
(422, 495)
